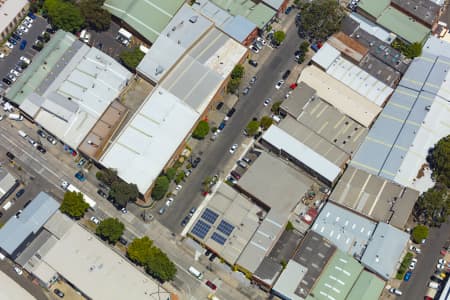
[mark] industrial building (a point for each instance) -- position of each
(12, 12)
(11, 290)
(8, 184)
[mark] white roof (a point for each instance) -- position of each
(150, 138)
(373, 29)
(9, 9)
(436, 46)
(326, 56)
(340, 96)
(282, 140)
(11, 290)
(360, 81)
(98, 271)
(289, 280)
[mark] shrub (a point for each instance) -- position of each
(419, 233)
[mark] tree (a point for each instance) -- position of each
(278, 37)
(233, 85)
(107, 176)
(131, 58)
(161, 187)
(433, 206)
(201, 130)
(252, 127)
(236, 76)
(439, 160)
(110, 229)
(139, 250)
(266, 122)
(73, 205)
(95, 16)
(170, 173)
(276, 107)
(64, 15)
(123, 192)
(413, 50)
(238, 72)
(419, 233)
(304, 46)
(180, 177)
(159, 265)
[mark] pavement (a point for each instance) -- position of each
(106, 41)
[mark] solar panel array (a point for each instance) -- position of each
(201, 229)
(210, 216)
(218, 238)
(225, 227)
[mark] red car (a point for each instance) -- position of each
(211, 285)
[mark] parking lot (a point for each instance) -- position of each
(9, 61)
(107, 42)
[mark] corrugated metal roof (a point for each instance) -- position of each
(239, 28)
(373, 8)
(326, 56)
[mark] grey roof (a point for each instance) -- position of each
(268, 271)
(349, 231)
(374, 196)
(30, 221)
(296, 102)
(7, 182)
(33, 248)
(32, 104)
(275, 4)
(380, 70)
(238, 27)
(60, 106)
(287, 283)
(349, 25)
(384, 250)
(425, 11)
(436, 46)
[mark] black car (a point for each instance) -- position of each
(219, 105)
(41, 149)
(12, 41)
(286, 74)
(20, 193)
(185, 221)
(59, 293)
(16, 36)
(253, 63)
(50, 30)
(102, 193)
(36, 48)
(231, 112)
(10, 155)
(40, 38)
(41, 133)
(7, 81)
(196, 162)
(123, 241)
(18, 69)
(212, 257)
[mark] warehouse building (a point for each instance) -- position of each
(12, 12)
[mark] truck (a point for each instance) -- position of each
(124, 37)
(16, 117)
(71, 188)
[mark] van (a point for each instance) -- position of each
(16, 117)
(85, 36)
(7, 205)
(22, 134)
(195, 272)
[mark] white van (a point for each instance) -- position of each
(433, 285)
(195, 272)
(85, 36)
(16, 117)
(22, 134)
(7, 205)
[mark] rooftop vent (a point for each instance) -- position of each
(193, 19)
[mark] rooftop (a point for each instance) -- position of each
(11, 290)
(384, 250)
(425, 11)
(349, 231)
(290, 144)
(9, 9)
(368, 287)
(402, 25)
(348, 46)
(373, 8)
(340, 96)
(7, 182)
(150, 138)
(275, 4)
(372, 28)
(147, 17)
(375, 197)
(349, 25)
(326, 56)
(19, 229)
(300, 96)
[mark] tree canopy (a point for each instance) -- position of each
(252, 127)
(94, 15)
(278, 37)
(161, 187)
(266, 122)
(236, 76)
(201, 130)
(123, 192)
(439, 160)
(64, 15)
(73, 205)
(433, 206)
(238, 72)
(131, 57)
(107, 176)
(419, 233)
(139, 250)
(110, 229)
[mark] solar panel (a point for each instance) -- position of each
(218, 238)
(201, 229)
(225, 227)
(209, 216)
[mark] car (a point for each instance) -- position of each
(10, 155)
(19, 213)
(18, 33)
(442, 261)
(95, 220)
(440, 266)
(192, 211)
(29, 19)
(169, 202)
(253, 63)
(81, 162)
(286, 74)
(219, 105)
(80, 176)
(247, 160)
(124, 210)
(267, 101)
(162, 210)
(58, 293)
(195, 162)
(102, 193)
(187, 172)
(185, 221)
(258, 45)
(7, 81)
(20, 193)
(1, 214)
(12, 41)
(433, 285)
(41, 133)
(253, 80)
(212, 257)
(235, 174)
(279, 84)
(414, 260)
(123, 241)
(9, 45)
(178, 187)
(23, 28)
(261, 40)
(18, 69)
(233, 148)
(231, 112)
(18, 270)
(211, 285)
(41, 149)
(25, 59)
(246, 91)
(254, 49)
(16, 36)
(288, 10)
(222, 126)
(407, 276)
(412, 265)
(23, 44)
(11, 77)
(51, 140)
(395, 291)
(50, 30)
(2, 55)
(231, 179)
(32, 15)
(27, 24)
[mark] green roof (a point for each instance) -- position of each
(403, 26)
(367, 287)
(42, 65)
(148, 17)
(337, 278)
(259, 14)
(373, 7)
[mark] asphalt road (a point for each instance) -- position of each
(217, 155)
(416, 287)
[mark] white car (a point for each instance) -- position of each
(29, 20)
(2, 55)
(440, 266)
(18, 270)
(9, 45)
(412, 265)
(14, 72)
(123, 210)
(415, 249)
(95, 220)
(26, 24)
(442, 261)
(169, 202)
(25, 59)
(178, 187)
(254, 49)
(23, 28)
(267, 101)
(279, 84)
(261, 40)
(233, 148)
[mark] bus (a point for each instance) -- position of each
(195, 272)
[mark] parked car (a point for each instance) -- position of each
(253, 63)
(395, 291)
(41, 149)
(254, 49)
(246, 91)
(14, 72)
(10, 155)
(407, 276)
(123, 241)
(288, 10)
(231, 112)
(233, 148)
(211, 285)
(18, 270)
(95, 220)
(279, 84)
(267, 101)
(192, 211)
(51, 140)
(20, 193)
(185, 221)
(235, 174)
(23, 44)
(169, 201)
(80, 176)
(162, 210)
(253, 80)
(286, 74)
(124, 210)
(196, 161)
(41, 133)
(102, 193)
(25, 59)
(58, 293)
(7, 81)
(219, 105)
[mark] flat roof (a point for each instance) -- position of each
(9, 9)
(231, 208)
(326, 56)
(436, 46)
(18, 229)
(348, 46)
(375, 197)
(372, 28)
(337, 279)
(288, 281)
(402, 25)
(373, 8)
(146, 17)
(150, 138)
(296, 102)
(259, 14)
(385, 249)
(91, 266)
(185, 29)
(349, 25)
(349, 231)
(367, 286)
(340, 96)
(308, 137)
(425, 11)
(275, 4)
(11, 290)
(7, 182)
